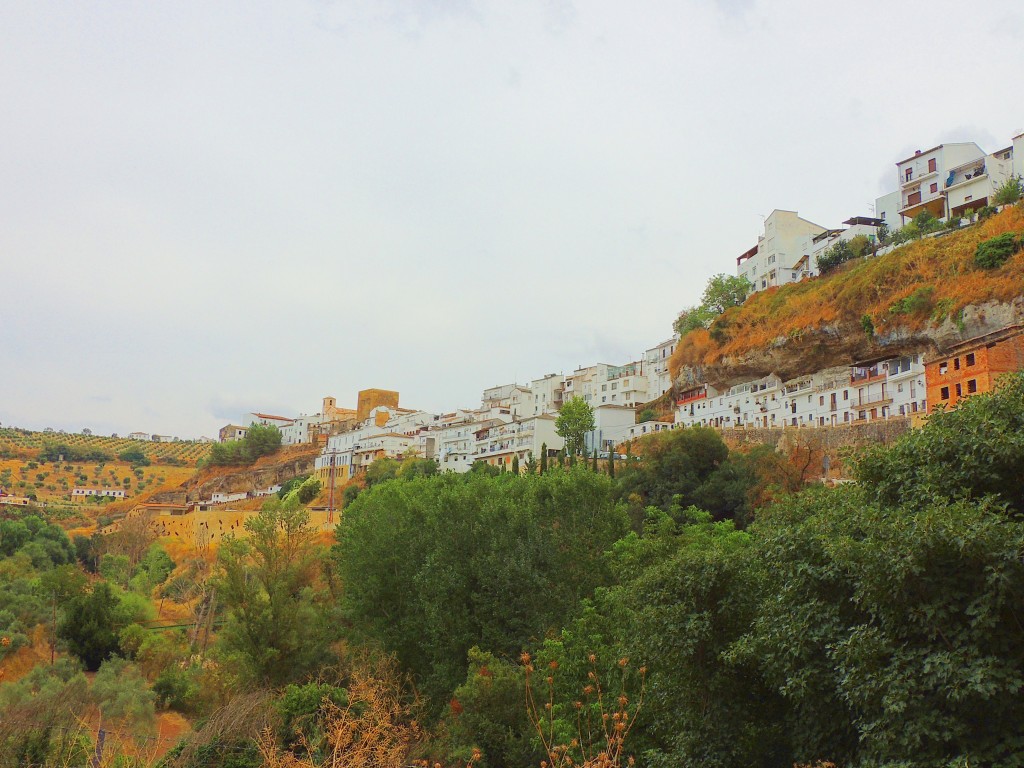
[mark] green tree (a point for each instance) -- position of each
(691, 464)
(970, 452)
(543, 458)
(434, 566)
(88, 627)
(515, 464)
(574, 421)
(275, 626)
(721, 293)
(124, 697)
(308, 491)
(134, 456)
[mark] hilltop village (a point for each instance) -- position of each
(939, 191)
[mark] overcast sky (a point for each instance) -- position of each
(211, 208)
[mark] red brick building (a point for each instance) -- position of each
(974, 366)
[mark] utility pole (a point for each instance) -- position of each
(53, 625)
(330, 504)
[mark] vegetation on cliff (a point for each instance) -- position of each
(916, 286)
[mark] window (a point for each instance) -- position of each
(959, 391)
(945, 393)
(615, 386)
(604, 387)
(933, 188)
(943, 367)
(956, 363)
(969, 360)
(972, 386)
(821, 400)
(846, 394)
(931, 166)
(908, 174)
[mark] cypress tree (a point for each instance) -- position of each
(595, 458)
(611, 462)
(543, 458)
(515, 464)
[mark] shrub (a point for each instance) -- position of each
(993, 253)
(919, 302)
(1009, 192)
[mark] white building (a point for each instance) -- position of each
(138, 436)
(922, 177)
(659, 381)
(779, 256)
(499, 444)
(546, 393)
(457, 442)
(970, 185)
(887, 210)
(223, 498)
(648, 428)
(612, 424)
(840, 395)
(106, 493)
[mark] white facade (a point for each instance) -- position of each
(922, 177)
(831, 397)
(224, 498)
(659, 380)
(138, 436)
(648, 428)
(111, 493)
(457, 443)
(501, 443)
(611, 426)
(887, 209)
(546, 393)
(779, 256)
(970, 185)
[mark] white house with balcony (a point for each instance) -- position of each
(856, 226)
(499, 444)
(831, 397)
(546, 393)
(969, 186)
(659, 381)
(923, 176)
(780, 256)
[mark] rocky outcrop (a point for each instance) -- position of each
(245, 479)
(849, 343)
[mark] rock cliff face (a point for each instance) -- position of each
(246, 479)
(849, 344)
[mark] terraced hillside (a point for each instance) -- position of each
(25, 444)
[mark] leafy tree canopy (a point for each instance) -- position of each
(575, 419)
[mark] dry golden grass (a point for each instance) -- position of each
(871, 287)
